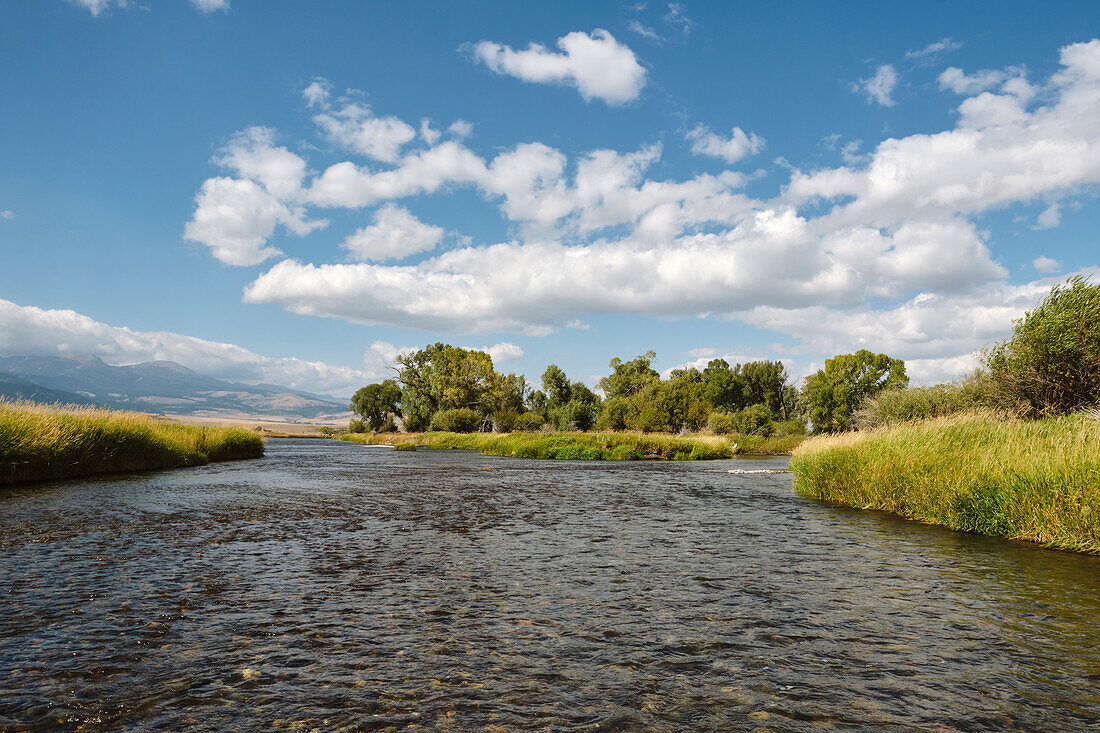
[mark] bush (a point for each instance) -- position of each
(326, 430)
(614, 414)
(504, 421)
(894, 406)
(721, 423)
(1051, 365)
(789, 428)
(459, 420)
(753, 420)
(357, 426)
(529, 421)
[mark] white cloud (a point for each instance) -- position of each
(1050, 218)
(395, 234)
(428, 133)
(317, 92)
(880, 87)
(31, 330)
(677, 18)
(1046, 264)
(95, 7)
(959, 82)
(356, 129)
(643, 30)
(461, 129)
(932, 49)
(7, 214)
(597, 65)
(235, 218)
(731, 150)
(210, 6)
(502, 352)
(252, 154)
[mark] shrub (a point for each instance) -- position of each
(458, 420)
(529, 421)
(1051, 365)
(753, 420)
(894, 406)
(721, 423)
(505, 420)
(789, 428)
(652, 419)
(614, 414)
(357, 426)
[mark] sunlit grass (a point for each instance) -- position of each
(51, 442)
(1035, 480)
(588, 446)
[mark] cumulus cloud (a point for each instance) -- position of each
(1050, 218)
(502, 352)
(643, 30)
(879, 88)
(31, 330)
(317, 92)
(597, 65)
(732, 149)
(598, 234)
(7, 214)
(1046, 264)
(395, 234)
(210, 6)
(959, 82)
(355, 128)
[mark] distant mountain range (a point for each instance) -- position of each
(155, 386)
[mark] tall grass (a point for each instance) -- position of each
(1033, 480)
(51, 442)
(605, 446)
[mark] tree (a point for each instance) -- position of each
(443, 377)
(723, 388)
(835, 392)
(1051, 365)
(568, 405)
(766, 383)
(628, 378)
(376, 402)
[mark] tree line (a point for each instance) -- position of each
(444, 387)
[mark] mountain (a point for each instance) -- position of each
(14, 388)
(161, 386)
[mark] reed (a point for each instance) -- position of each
(1036, 480)
(599, 446)
(39, 442)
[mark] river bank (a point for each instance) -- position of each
(1035, 480)
(598, 446)
(40, 442)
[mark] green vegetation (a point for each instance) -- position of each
(376, 404)
(587, 446)
(1051, 365)
(40, 442)
(900, 405)
(1036, 480)
(834, 393)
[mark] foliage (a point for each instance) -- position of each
(905, 404)
(1051, 365)
(529, 421)
(1037, 480)
(721, 423)
(49, 442)
(376, 402)
(357, 426)
(755, 419)
(628, 378)
(565, 405)
(834, 393)
(326, 430)
(456, 420)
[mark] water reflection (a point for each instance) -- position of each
(337, 587)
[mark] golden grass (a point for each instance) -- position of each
(1035, 480)
(588, 446)
(51, 442)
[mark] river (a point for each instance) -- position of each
(331, 586)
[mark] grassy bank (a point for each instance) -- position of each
(40, 442)
(588, 446)
(1032, 480)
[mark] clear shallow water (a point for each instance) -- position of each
(339, 587)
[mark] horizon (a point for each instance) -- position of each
(200, 181)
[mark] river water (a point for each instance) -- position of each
(333, 586)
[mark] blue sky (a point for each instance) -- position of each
(293, 192)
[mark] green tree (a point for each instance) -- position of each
(767, 383)
(375, 402)
(834, 393)
(1051, 365)
(443, 377)
(628, 378)
(723, 388)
